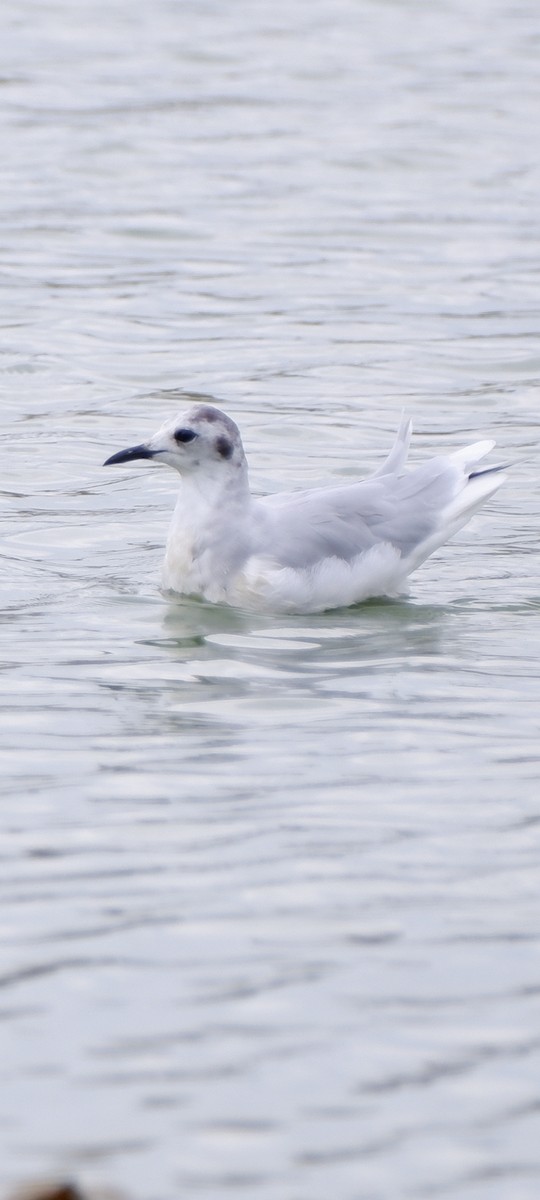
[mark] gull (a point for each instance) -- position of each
(311, 550)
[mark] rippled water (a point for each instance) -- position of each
(269, 886)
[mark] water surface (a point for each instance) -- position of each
(269, 885)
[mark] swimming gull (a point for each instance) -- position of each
(310, 550)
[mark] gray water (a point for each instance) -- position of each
(269, 886)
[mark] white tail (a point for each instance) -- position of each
(471, 489)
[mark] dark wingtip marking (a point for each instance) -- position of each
(490, 470)
(224, 446)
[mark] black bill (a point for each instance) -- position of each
(128, 455)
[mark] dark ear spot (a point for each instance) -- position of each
(224, 446)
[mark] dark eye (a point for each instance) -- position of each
(184, 435)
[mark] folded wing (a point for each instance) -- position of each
(413, 512)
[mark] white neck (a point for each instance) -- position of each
(208, 489)
(205, 531)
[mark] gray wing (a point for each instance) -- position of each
(342, 522)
